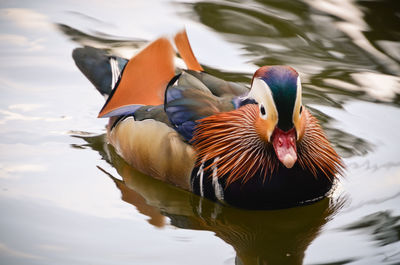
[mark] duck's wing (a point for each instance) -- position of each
(195, 94)
(129, 86)
(138, 87)
(144, 79)
(191, 96)
(218, 86)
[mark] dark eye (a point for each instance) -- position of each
(262, 110)
(301, 109)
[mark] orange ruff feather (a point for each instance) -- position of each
(315, 152)
(183, 45)
(231, 141)
(144, 78)
(232, 138)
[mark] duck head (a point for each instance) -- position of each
(277, 90)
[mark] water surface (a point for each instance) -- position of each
(67, 198)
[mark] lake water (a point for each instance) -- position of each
(67, 198)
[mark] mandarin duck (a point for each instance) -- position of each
(248, 232)
(256, 148)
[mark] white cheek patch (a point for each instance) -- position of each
(261, 92)
(297, 106)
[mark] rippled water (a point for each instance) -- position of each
(67, 198)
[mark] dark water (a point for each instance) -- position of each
(67, 198)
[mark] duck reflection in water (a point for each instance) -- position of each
(258, 237)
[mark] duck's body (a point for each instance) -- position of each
(256, 148)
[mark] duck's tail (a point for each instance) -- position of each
(102, 70)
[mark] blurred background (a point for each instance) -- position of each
(67, 198)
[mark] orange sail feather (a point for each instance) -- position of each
(144, 78)
(183, 46)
